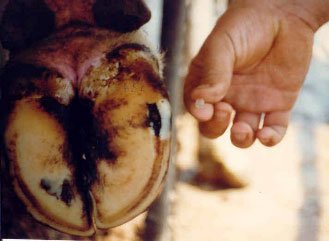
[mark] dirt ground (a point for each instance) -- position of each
(287, 198)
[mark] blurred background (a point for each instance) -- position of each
(216, 191)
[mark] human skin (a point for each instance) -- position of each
(253, 62)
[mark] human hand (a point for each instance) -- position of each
(254, 61)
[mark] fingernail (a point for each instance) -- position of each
(267, 140)
(199, 103)
(266, 137)
(240, 136)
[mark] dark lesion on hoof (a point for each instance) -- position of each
(67, 193)
(54, 108)
(87, 142)
(154, 118)
(62, 192)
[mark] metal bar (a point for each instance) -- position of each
(172, 42)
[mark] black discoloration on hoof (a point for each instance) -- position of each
(53, 107)
(86, 131)
(87, 143)
(121, 16)
(62, 192)
(67, 193)
(45, 184)
(85, 135)
(154, 118)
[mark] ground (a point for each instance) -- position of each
(286, 199)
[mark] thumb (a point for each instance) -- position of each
(210, 74)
